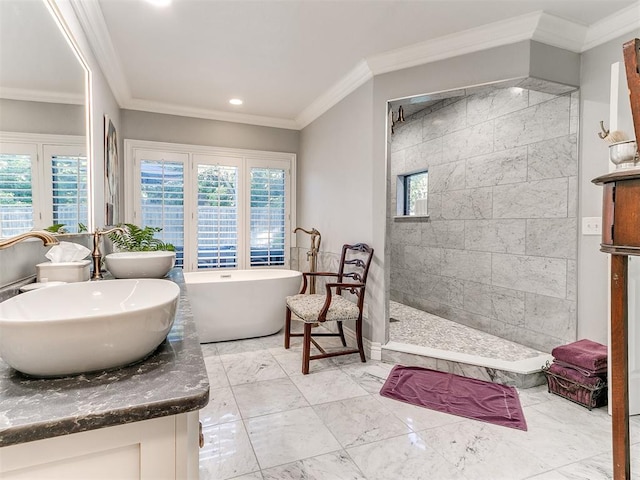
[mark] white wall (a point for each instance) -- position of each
(595, 79)
(41, 117)
(334, 186)
(334, 173)
(159, 127)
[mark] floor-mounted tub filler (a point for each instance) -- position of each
(236, 304)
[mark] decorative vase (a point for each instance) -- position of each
(624, 154)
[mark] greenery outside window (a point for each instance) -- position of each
(415, 187)
(16, 194)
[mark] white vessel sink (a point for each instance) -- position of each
(84, 327)
(140, 264)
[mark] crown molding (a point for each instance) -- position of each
(358, 76)
(558, 32)
(621, 22)
(95, 28)
(538, 26)
(475, 39)
(41, 96)
(183, 111)
(52, 138)
(94, 25)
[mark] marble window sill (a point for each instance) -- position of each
(411, 218)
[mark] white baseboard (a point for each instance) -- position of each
(373, 350)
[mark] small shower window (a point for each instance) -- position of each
(415, 193)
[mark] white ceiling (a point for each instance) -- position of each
(36, 63)
(291, 60)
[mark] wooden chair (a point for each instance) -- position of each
(331, 307)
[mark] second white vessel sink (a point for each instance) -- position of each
(154, 264)
(84, 327)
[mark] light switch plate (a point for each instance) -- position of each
(591, 226)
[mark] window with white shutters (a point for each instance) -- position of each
(267, 216)
(221, 208)
(162, 201)
(217, 216)
(16, 193)
(69, 191)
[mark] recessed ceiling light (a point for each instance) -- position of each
(235, 101)
(159, 3)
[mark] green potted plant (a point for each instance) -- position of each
(133, 238)
(139, 254)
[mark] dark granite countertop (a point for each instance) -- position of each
(170, 381)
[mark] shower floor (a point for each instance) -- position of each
(420, 338)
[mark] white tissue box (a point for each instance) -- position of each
(63, 271)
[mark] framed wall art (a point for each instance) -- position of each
(111, 173)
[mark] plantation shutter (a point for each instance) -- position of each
(162, 201)
(18, 191)
(217, 216)
(267, 216)
(69, 191)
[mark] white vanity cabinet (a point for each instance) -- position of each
(156, 449)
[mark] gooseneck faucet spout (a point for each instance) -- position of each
(312, 254)
(96, 255)
(46, 237)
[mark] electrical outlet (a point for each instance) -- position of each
(591, 226)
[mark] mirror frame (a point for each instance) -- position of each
(58, 18)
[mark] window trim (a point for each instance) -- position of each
(49, 151)
(206, 159)
(288, 206)
(132, 148)
(402, 195)
(136, 198)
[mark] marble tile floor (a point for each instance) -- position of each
(266, 421)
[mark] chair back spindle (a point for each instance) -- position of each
(354, 265)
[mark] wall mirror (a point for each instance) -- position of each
(44, 165)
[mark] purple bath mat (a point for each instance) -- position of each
(462, 396)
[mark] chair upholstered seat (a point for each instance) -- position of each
(308, 307)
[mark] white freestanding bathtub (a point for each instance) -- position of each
(235, 304)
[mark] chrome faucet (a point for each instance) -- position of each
(96, 255)
(46, 237)
(312, 254)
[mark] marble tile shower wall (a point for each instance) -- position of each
(499, 250)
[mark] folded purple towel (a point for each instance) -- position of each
(577, 377)
(583, 353)
(601, 372)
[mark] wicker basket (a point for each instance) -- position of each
(586, 395)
